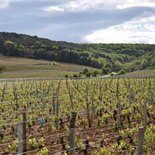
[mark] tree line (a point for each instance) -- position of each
(108, 57)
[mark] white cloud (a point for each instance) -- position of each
(150, 27)
(5, 3)
(133, 3)
(130, 32)
(78, 5)
(54, 9)
(74, 26)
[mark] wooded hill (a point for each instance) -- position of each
(109, 57)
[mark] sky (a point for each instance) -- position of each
(81, 21)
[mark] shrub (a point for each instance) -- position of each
(106, 70)
(66, 76)
(75, 76)
(95, 73)
(2, 68)
(85, 71)
(121, 72)
(88, 74)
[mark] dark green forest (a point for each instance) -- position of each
(108, 57)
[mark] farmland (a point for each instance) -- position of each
(109, 115)
(30, 68)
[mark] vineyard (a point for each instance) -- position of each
(111, 116)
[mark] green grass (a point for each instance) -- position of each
(24, 68)
(143, 72)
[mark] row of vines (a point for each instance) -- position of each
(109, 113)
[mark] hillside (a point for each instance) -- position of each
(23, 68)
(109, 57)
(146, 72)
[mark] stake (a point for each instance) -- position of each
(140, 141)
(22, 136)
(72, 134)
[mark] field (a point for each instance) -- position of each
(109, 115)
(25, 68)
(146, 72)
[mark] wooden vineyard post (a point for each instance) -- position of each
(131, 95)
(119, 114)
(3, 93)
(57, 106)
(16, 103)
(118, 107)
(87, 105)
(22, 136)
(150, 96)
(72, 134)
(140, 141)
(71, 98)
(92, 100)
(100, 97)
(24, 131)
(53, 103)
(57, 113)
(145, 115)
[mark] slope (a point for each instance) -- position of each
(111, 57)
(23, 68)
